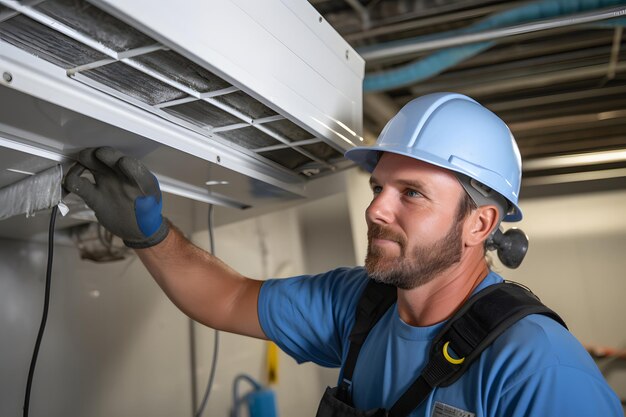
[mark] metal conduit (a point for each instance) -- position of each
(489, 35)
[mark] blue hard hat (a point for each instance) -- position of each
(455, 132)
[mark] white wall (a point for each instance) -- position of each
(325, 228)
(576, 264)
(311, 238)
(114, 344)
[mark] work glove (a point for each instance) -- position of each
(125, 197)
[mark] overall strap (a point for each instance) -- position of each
(374, 302)
(471, 329)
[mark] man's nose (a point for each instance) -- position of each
(380, 210)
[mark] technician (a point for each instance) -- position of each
(445, 172)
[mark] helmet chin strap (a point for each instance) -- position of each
(512, 245)
(482, 195)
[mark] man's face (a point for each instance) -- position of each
(413, 228)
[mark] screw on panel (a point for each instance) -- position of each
(219, 160)
(6, 76)
(347, 57)
(320, 19)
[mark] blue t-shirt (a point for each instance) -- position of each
(535, 368)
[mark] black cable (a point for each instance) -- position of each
(216, 343)
(44, 318)
(211, 237)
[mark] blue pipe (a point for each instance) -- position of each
(439, 61)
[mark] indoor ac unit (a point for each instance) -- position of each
(262, 95)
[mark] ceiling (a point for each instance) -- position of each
(555, 71)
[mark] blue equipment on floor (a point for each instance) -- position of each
(261, 401)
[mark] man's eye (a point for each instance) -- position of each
(412, 193)
(376, 189)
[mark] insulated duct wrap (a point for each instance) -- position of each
(38, 192)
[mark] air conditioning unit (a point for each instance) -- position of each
(261, 95)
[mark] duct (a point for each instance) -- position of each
(37, 192)
(440, 61)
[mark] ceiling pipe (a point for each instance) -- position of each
(379, 107)
(418, 22)
(480, 36)
(417, 46)
(484, 88)
(577, 160)
(613, 61)
(362, 11)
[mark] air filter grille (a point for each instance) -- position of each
(107, 54)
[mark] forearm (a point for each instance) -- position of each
(203, 287)
(126, 198)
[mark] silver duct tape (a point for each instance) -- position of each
(38, 192)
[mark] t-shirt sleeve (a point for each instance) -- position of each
(310, 316)
(560, 391)
(551, 374)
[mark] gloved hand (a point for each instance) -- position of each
(125, 197)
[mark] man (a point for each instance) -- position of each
(445, 172)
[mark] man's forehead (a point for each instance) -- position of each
(410, 172)
(392, 162)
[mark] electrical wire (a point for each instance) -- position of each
(216, 343)
(44, 318)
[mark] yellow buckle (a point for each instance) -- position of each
(450, 358)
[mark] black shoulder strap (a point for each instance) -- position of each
(471, 329)
(483, 318)
(374, 302)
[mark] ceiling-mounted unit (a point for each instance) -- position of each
(264, 95)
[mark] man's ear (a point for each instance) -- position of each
(479, 224)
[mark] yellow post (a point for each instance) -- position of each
(272, 363)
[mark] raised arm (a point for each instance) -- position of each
(127, 201)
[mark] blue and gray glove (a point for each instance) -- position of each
(125, 197)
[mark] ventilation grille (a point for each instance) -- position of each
(107, 54)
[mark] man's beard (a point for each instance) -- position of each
(421, 265)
